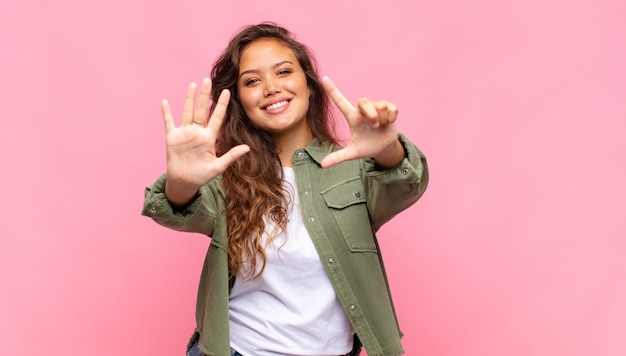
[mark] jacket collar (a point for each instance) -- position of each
(318, 150)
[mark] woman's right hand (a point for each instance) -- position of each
(192, 160)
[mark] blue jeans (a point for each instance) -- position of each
(195, 351)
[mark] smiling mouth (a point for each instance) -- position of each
(277, 105)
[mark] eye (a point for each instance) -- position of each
(284, 72)
(251, 81)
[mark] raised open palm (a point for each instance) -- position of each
(191, 151)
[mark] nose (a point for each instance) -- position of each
(271, 87)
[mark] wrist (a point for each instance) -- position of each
(390, 157)
(178, 193)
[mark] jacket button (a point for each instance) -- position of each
(331, 261)
(352, 307)
(153, 210)
(405, 171)
(311, 219)
(300, 154)
(356, 194)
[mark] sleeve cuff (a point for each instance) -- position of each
(410, 169)
(156, 204)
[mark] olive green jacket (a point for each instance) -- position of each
(342, 207)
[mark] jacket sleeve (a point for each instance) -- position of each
(393, 190)
(199, 216)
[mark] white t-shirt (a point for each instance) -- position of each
(293, 308)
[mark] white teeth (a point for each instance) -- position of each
(276, 105)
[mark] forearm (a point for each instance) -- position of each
(197, 215)
(390, 157)
(395, 189)
(179, 194)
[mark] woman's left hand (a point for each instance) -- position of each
(372, 128)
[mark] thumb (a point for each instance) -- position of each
(335, 158)
(225, 160)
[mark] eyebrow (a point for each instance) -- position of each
(256, 70)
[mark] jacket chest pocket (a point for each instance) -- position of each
(348, 204)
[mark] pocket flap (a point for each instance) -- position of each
(345, 194)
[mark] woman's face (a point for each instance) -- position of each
(273, 89)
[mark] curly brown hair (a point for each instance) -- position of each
(253, 185)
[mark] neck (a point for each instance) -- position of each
(286, 146)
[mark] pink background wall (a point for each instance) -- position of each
(516, 249)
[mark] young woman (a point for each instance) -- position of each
(293, 267)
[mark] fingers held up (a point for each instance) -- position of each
(378, 112)
(193, 113)
(198, 113)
